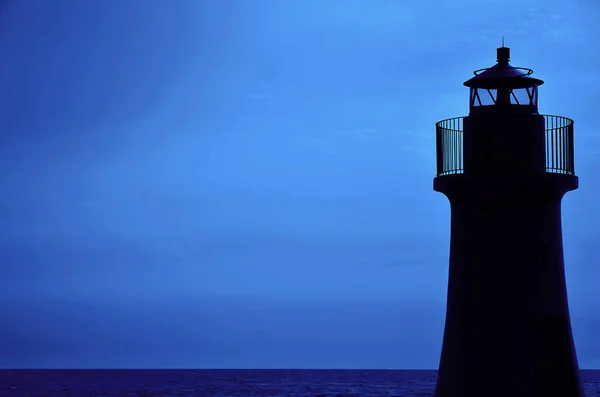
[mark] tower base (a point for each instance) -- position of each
(507, 330)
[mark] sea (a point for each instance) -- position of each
(229, 383)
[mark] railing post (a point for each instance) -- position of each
(563, 143)
(438, 147)
(572, 147)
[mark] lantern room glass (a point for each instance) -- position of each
(526, 96)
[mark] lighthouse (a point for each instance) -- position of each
(504, 169)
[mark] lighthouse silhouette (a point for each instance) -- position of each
(505, 168)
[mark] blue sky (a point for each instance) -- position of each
(248, 183)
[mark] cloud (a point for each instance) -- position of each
(377, 15)
(569, 33)
(416, 150)
(214, 331)
(361, 134)
(60, 49)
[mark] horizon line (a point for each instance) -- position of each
(220, 369)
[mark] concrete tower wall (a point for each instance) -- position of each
(507, 319)
(500, 144)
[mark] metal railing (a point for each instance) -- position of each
(449, 146)
(559, 148)
(560, 157)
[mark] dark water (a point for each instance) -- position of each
(225, 383)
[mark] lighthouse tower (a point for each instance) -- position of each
(505, 169)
